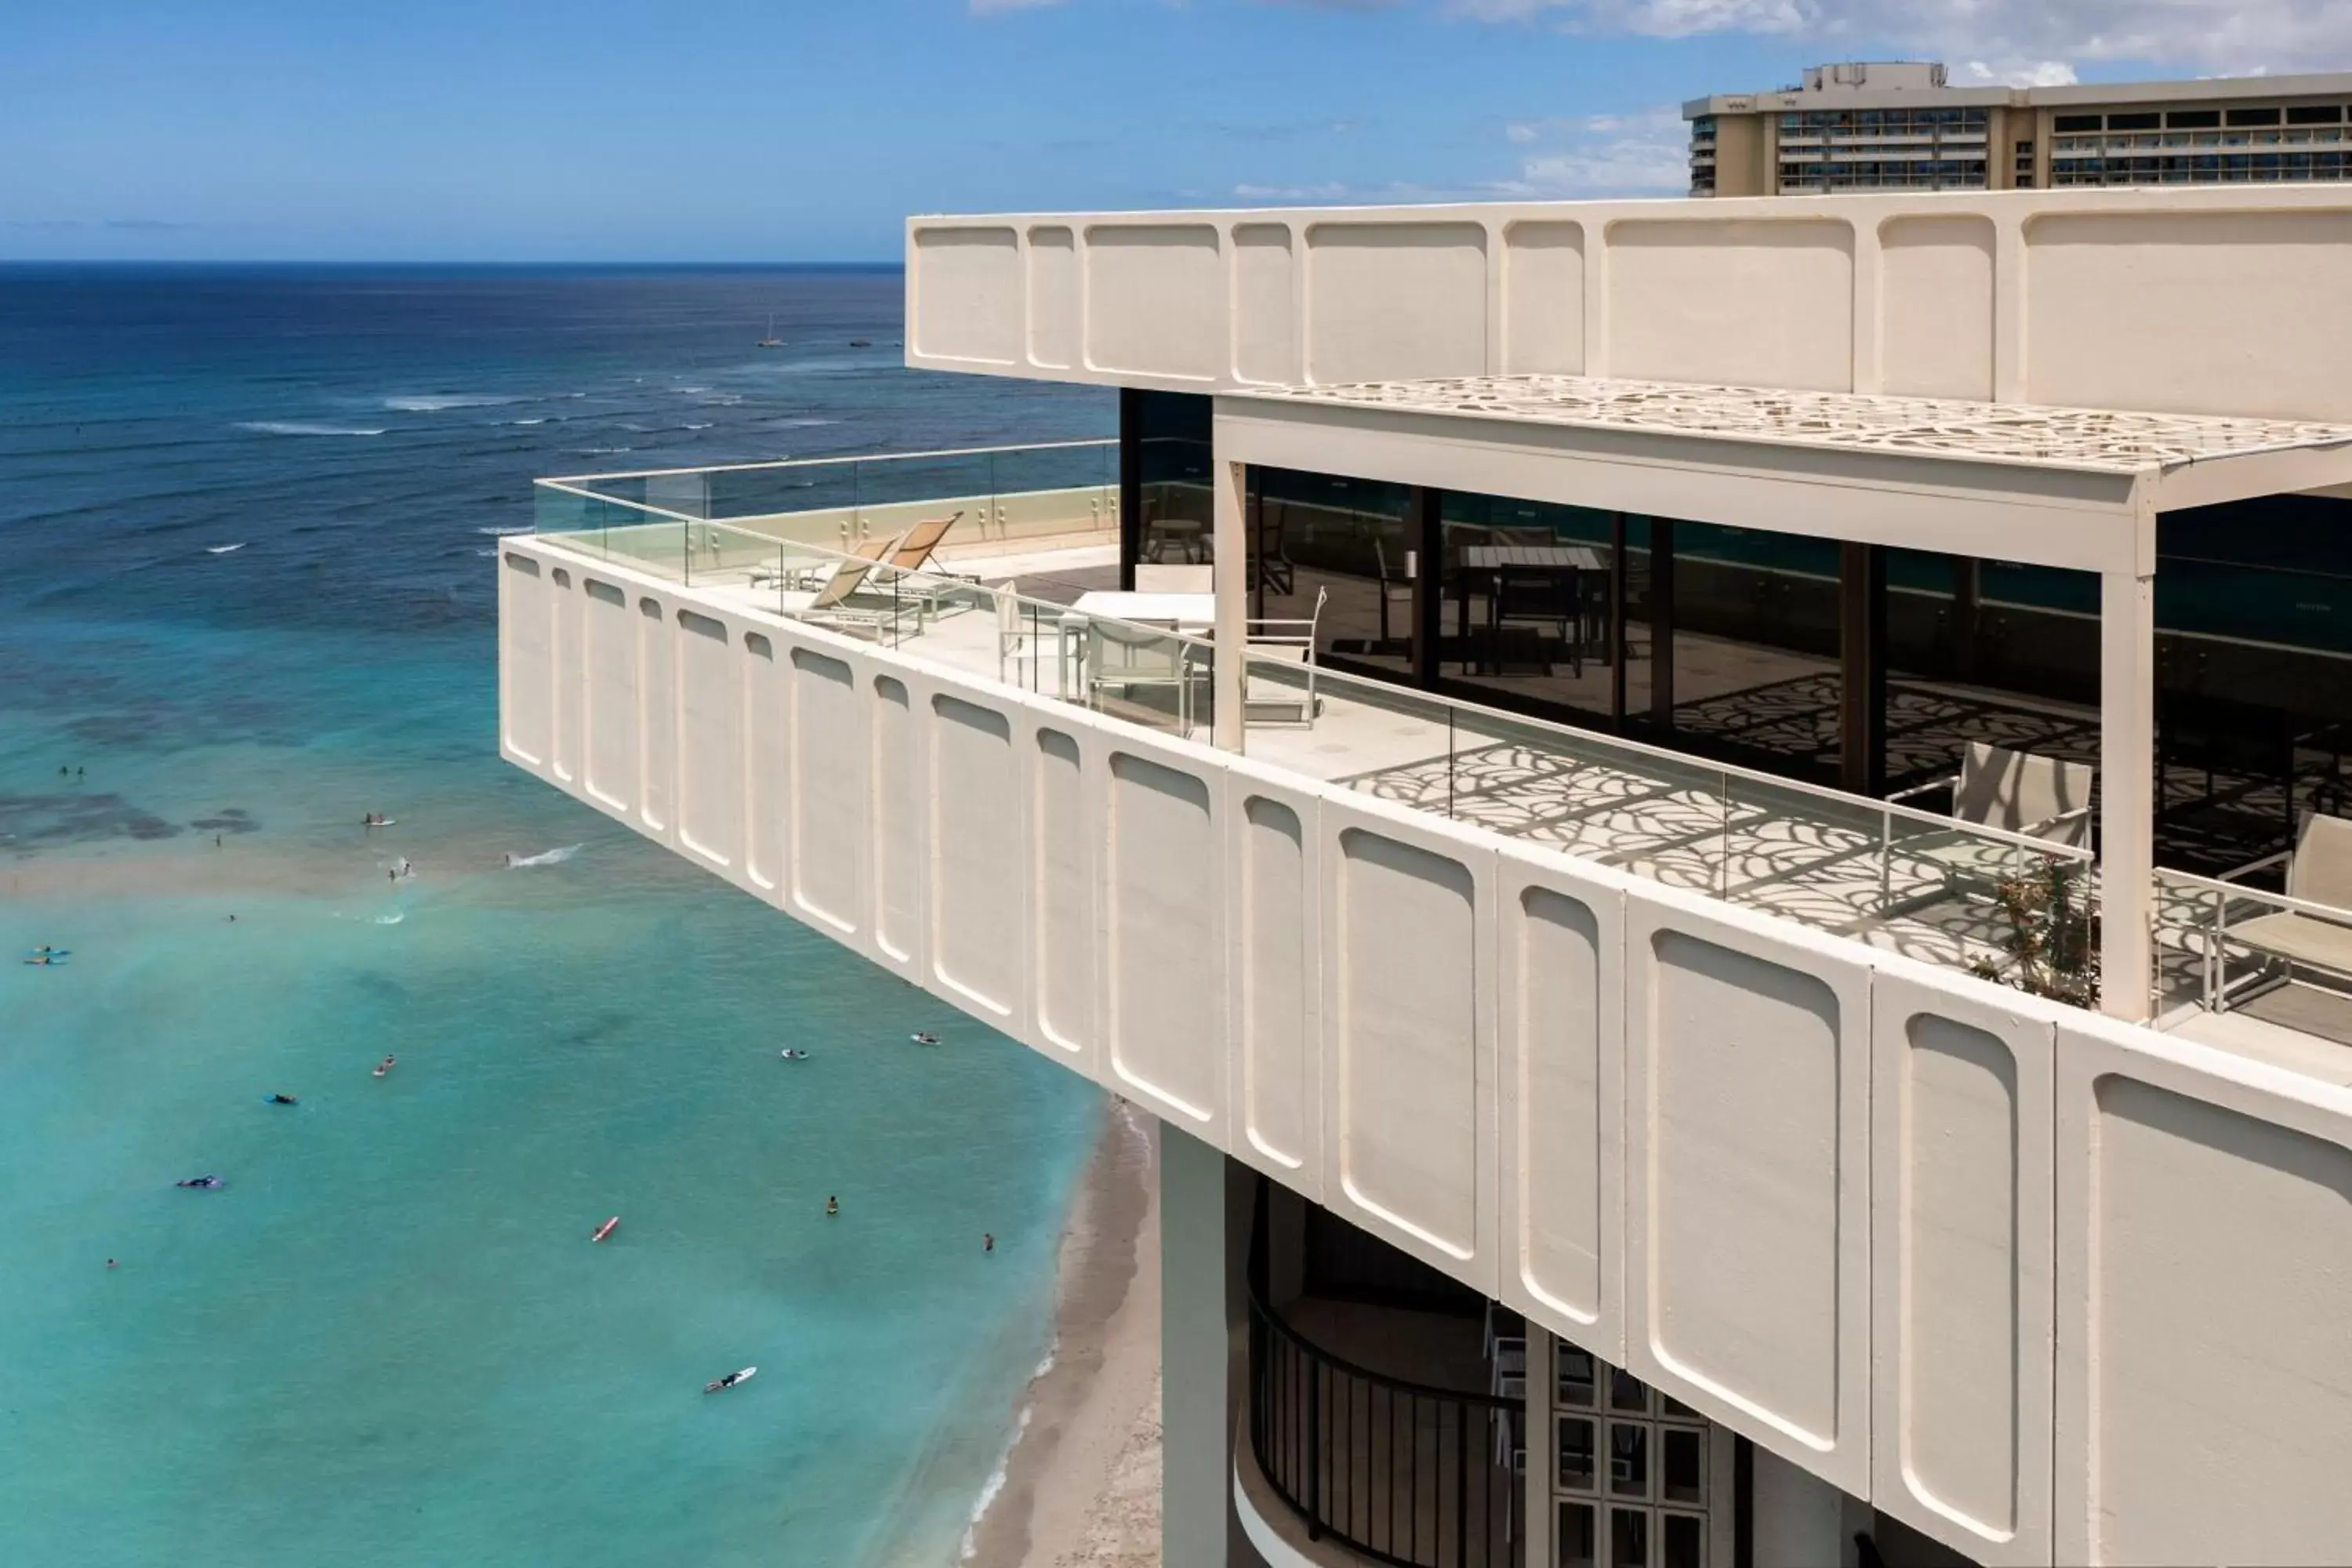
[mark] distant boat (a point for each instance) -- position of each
(771, 341)
(861, 343)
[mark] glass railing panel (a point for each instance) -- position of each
(1392, 743)
(2223, 945)
(1147, 676)
(1806, 854)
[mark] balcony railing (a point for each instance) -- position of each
(1938, 889)
(1006, 495)
(1404, 1473)
(2222, 944)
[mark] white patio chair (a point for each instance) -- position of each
(1278, 702)
(1130, 659)
(1016, 633)
(2318, 933)
(2020, 793)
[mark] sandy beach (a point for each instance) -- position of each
(1082, 1483)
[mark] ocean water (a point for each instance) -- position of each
(386, 1339)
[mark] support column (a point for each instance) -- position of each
(1861, 643)
(2126, 793)
(1662, 622)
(1542, 1440)
(1198, 1235)
(1229, 483)
(1617, 621)
(1967, 613)
(1131, 485)
(1424, 533)
(1799, 1520)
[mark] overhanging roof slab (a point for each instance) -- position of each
(2055, 486)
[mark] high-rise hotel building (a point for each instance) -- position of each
(1902, 125)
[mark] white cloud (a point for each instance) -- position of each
(1642, 153)
(2015, 37)
(1329, 191)
(2012, 73)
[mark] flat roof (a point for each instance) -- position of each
(2082, 440)
(2262, 88)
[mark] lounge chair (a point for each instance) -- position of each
(2313, 927)
(912, 550)
(838, 602)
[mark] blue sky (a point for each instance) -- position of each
(805, 129)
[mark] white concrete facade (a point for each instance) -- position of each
(2045, 1286)
(2222, 300)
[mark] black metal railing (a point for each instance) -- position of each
(1407, 1473)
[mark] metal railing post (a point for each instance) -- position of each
(1314, 1451)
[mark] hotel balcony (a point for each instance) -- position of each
(1956, 1150)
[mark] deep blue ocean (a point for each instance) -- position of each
(386, 1339)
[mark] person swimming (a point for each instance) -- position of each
(200, 1181)
(387, 1065)
(730, 1381)
(283, 1100)
(832, 1205)
(924, 1039)
(795, 1056)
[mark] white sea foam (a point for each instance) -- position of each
(545, 858)
(705, 425)
(502, 532)
(439, 402)
(305, 427)
(602, 451)
(991, 1487)
(541, 420)
(803, 423)
(223, 549)
(994, 1485)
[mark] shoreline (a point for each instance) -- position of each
(1079, 1487)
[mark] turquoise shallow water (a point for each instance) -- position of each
(387, 1339)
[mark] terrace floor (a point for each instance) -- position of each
(1835, 863)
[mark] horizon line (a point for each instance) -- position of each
(896, 264)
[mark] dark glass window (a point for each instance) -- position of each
(2078, 123)
(2146, 120)
(1175, 432)
(2314, 114)
(2193, 118)
(2254, 116)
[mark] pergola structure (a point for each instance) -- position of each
(2070, 488)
